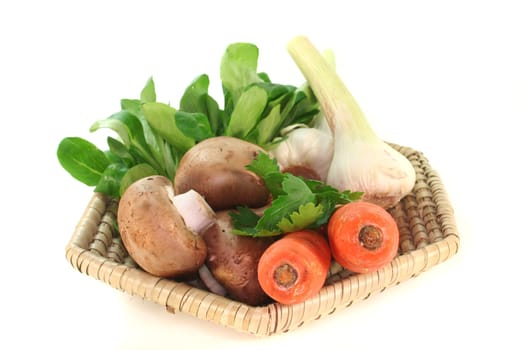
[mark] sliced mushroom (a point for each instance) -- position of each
(154, 231)
(233, 259)
(216, 168)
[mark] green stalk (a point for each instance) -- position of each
(336, 101)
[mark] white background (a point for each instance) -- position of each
(444, 77)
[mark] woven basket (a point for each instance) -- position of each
(428, 236)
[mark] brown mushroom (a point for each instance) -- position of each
(216, 168)
(233, 259)
(155, 232)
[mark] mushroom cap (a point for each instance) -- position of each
(153, 231)
(233, 260)
(216, 168)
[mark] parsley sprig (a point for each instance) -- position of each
(297, 203)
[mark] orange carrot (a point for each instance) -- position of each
(363, 236)
(295, 267)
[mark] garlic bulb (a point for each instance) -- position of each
(361, 161)
(306, 151)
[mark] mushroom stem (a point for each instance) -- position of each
(197, 214)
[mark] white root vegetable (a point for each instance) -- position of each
(361, 160)
(306, 151)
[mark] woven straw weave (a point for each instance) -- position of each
(428, 236)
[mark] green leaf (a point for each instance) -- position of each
(171, 158)
(215, 116)
(302, 108)
(194, 125)
(132, 106)
(269, 126)
(125, 124)
(304, 217)
(148, 93)
(330, 204)
(275, 91)
(264, 77)
(253, 232)
(281, 108)
(161, 117)
(268, 169)
(329, 198)
(228, 106)
(82, 160)
(129, 128)
(153, 141)
(297, 194)
(239, 68)
(119, 149)
(263, 165)
(297, 204)
(244, 218)
(135, 173)
(194, 97)
(113, 158)
(109, 183)
(197, 100)
(246, 112)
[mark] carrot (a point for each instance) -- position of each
(295, 267)
(363, 236)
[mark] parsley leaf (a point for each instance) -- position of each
(297, 204)
(296, 194)
(306, 216)
(269, 171)
(244, 217)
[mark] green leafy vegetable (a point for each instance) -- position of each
(305, 216)
(268, 169)
(197, 100)
(148, 93)
(268, 127)
(152, 137)
(111, 179)
(162, 119)
(130, 131)
(139, 151)
(82, 159)
(120, 151)
(247, 112)
(195, 125)
(296, 194)
(245, 218)
(239, 69)
(297, 204)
